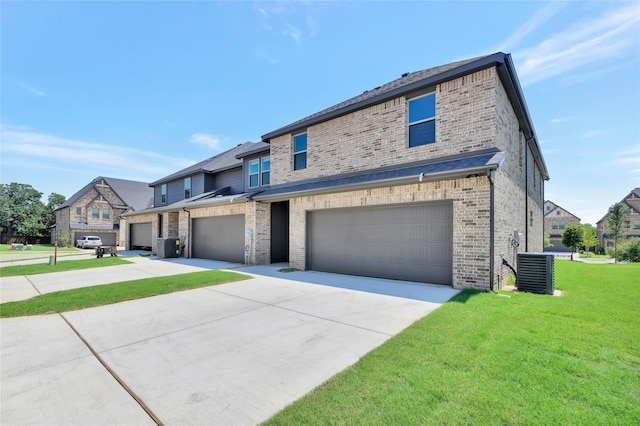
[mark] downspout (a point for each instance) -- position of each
(526, 194)
(491, 227)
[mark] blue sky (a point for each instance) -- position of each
(138, 90)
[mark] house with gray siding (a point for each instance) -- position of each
(428, 178)
(96, 209)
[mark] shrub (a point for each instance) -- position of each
(630, 250)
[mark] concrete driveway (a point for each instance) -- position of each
(231, 354)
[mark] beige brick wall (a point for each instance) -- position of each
(377, 136)
(470, 198)
(141, 218)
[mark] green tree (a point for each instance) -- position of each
(21, 210)
(54, 201)
(617, 224)
(547, 241)
(589, 236)
(572, 237)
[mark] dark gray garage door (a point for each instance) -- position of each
(141, 236)
(219, 238)
(108, 238)
(404, 242)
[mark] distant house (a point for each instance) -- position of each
(632, 200)
(556, 219)
(97, 208)
(424, 178)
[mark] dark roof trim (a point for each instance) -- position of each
(453, 167)
(481, 63)
(254, 151)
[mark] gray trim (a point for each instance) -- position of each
(432, 170)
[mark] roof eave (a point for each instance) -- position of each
(381, 183)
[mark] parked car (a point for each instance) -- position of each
(89, 241)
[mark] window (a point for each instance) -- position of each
(105, 213)
(254, 172)
(163, 194)
(266, 171)
(636, 224)
(187, 187)
(79, 211)
(422, 120)
(160, 226)
(558, 224)
(95, 213)
(300, 151)
(259, 172)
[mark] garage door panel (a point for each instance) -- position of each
(406, 242)
(141, 235)
(219, 238)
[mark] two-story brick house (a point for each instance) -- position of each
(556, 219)
(425, 179)
(632, 200)
(97, 207)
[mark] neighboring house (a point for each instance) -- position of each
(428, 178)
(96, 209)
(556, 219)
(632, 200)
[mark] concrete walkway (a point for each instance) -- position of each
(235, 353)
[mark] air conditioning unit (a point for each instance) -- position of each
(168, 247)
(535, 273)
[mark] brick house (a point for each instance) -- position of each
(632, 200)
(428, 178)
(96, 209)
(556, 219)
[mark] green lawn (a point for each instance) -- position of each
(6, 249)
(86, 297)
(517, 359)
(61, 265)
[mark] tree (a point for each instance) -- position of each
(617, 224)
(21, 210)
(589, 236)
(547, 241)
(53, 202)
(572, 237)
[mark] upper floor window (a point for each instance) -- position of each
(300, 151)
(558, 224)
(422, 120)
(259, 172)
(254, 173)
(95, 213)
(636, 224)
(187, 187)
(78, 211)
(163, 193)
(265, 171)
(105, 213)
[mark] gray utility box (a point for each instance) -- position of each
(535, 273)
(168, 247)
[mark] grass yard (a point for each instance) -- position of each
(62, 265)
(87, 297)
(518, 359)
(6, 249)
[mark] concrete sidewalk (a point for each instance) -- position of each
(235, 353)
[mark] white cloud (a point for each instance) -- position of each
(538, 18)
(31, 89)
(29, 147)
(591, 41)
(206, 140)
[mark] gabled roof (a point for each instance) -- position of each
(412, 82)
(224, 161)
(635, 193)
(136, 195)
(556, 207)
(462, 165)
